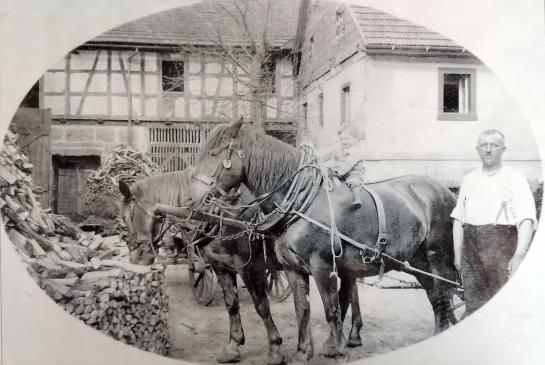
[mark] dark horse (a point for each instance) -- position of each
(417, 212)
(227, 258)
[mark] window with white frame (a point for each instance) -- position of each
(345, 104)
(457, 94)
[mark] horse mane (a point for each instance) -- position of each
(267, 160)
(167, 188)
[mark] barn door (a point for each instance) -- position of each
(34, 126)
(70, 183)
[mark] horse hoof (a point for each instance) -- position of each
(228, 357)
(329, 351)
(277, 359)
(354, 342)
(299, 357)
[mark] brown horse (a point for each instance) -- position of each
(417, 210)
(227, 258)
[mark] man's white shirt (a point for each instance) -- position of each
(481, 196)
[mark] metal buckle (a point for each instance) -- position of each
(207, 199)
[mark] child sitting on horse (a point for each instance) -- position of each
(346, 159)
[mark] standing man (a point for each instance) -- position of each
(494, 220)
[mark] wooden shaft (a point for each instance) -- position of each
(188, 213)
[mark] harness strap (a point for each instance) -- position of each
(505, 200)
(365, 247)
(383, 234)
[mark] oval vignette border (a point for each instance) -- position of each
(510, 40)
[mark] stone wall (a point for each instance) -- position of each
(97, 140)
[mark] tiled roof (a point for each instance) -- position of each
(200, 24)
(384, 30)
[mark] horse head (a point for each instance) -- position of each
(142, 225)
(220, 165)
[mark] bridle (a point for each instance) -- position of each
(154, 241)
(212, 181)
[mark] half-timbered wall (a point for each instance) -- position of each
(94, 84)
(88, 94)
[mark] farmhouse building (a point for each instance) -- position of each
(161, 83)
(420, 98)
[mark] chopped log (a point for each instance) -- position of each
(48, 264)
(96, 275)
(74, 266)
(110, 241)
(37, 250)
(65, 255)
(7, 176)
(140, 269)
(18, 240)
(97, 241)
(107, 254)
(66, 281)
(96, 263)
(56, 287)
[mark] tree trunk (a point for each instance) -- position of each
(257, 102)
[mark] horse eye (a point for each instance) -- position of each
(215, 151)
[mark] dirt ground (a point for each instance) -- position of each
(393, 318)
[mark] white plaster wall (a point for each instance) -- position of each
(331, 86)
(396, 103)
(401, 105)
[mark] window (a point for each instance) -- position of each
(305, 113)
(457, 95)
(173, 76)
(310, 47)
(268, 76)
(345, 104)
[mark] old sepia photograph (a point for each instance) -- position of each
(271, 182)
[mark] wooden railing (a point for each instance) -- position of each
(174, 147)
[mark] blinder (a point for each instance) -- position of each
(212, 182)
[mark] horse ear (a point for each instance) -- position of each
(234, 128)
(125, 189)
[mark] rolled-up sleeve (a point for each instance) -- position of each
(523, 203)
(459, 210)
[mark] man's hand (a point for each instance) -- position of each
(458, 240)
(514, 264)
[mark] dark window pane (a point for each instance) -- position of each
(268, 76)
(173, 76)
(450, 98)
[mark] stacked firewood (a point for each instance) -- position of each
(122, 163)
(87, 273)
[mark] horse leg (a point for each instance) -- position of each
(437, 294)
(327, 286)
(348, 296)
(254, 279)
(228, 283)
(299, 284)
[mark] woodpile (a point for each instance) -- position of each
(122, 163)
(87, 273)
